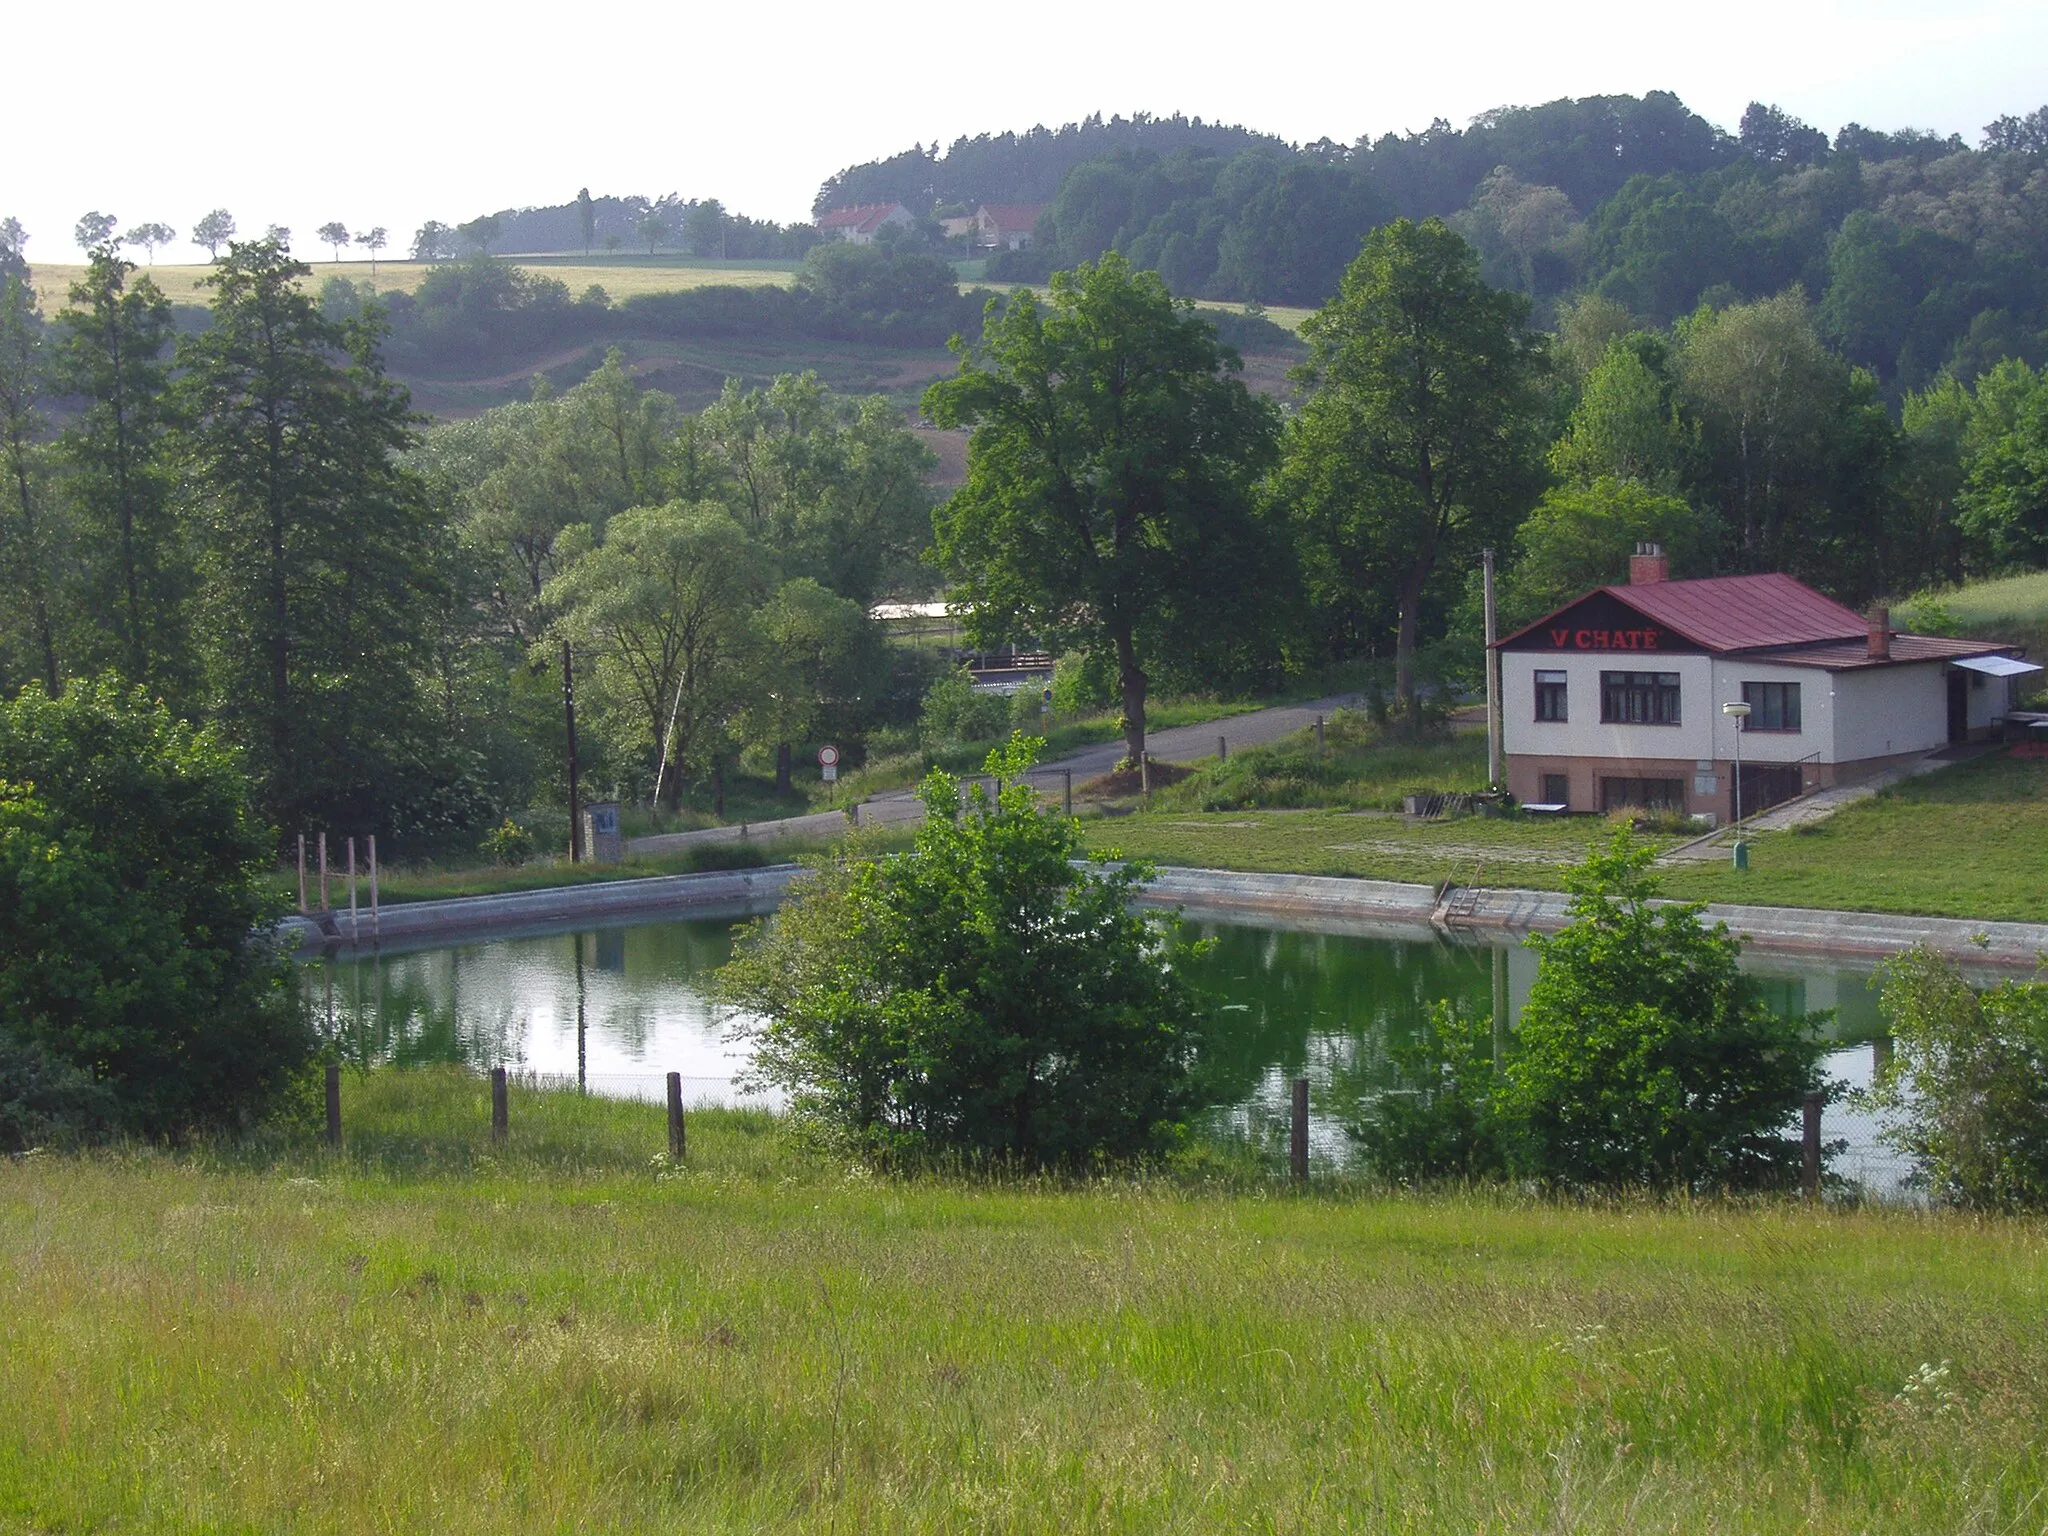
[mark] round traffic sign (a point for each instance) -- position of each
(828, 757)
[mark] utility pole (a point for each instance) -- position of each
(1493, 767)
(569, 715)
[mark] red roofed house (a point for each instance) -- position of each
(1006, 226)
(858, 226)
(1615, 699)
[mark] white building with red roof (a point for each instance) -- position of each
(859, 226)
(1616, 699)
(1006, 226)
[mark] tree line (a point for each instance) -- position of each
(248, 521)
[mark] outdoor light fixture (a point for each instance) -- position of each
(1738, 711)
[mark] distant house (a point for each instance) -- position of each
(1006, 226)
(859, 226)
(964, 225)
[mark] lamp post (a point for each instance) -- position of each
(1738, 711)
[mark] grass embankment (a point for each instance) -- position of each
(1969, 841)
(426, 1332)
(2012, 608)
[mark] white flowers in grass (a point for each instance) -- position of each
(1928, 1391)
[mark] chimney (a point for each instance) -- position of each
(1647, 566)
(1880, 634)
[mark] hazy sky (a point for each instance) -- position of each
(383, 115)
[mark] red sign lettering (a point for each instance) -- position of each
(1605, 639)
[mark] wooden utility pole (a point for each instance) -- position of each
(569, 716)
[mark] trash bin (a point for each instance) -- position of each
(1741, 854)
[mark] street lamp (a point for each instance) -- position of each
(1738, 711)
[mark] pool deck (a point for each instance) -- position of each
(1317, 902)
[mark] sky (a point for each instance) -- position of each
(304, 114)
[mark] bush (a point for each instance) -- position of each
(981, 994)
(507, 844)
(954, 714)
(1969, 1076)
(44, 1101)
(131, 886)
(1643, 1057)
(1084, 681)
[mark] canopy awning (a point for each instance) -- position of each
(1998, 666)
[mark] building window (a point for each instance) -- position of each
(1550, 701)
(1639, 698)
(1642, 794)
(1557, 789)
(1772, 706)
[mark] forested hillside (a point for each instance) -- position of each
(1919, 252)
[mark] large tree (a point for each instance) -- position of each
(320, 560)
(213, 231)
(1108, 498)
(1419, 439)
(113, 358)
(28, 573)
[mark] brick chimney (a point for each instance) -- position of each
(1647, 566)
(1880, 634)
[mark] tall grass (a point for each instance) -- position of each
(1359, 767)
(427, 1332)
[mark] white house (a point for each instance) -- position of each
(859, 226)
(1615, 699)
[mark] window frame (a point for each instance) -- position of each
(1784, 691)
(1655, 688)
(1551, 684)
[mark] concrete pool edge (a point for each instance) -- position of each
(1328, 901)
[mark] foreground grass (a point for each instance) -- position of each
(424, 1333)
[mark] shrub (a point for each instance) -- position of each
(1642, 1057)
(1969, 1077)
(508, 844)
(955, 714)
(131, 874)
(981, 994)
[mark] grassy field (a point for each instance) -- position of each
(620, 278)
(426, 1332)
(2013, 608)
(1969, 841)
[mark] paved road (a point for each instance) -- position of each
(1181, 744)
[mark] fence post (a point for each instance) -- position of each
(334, 1103)
(1298, 1139)
(323, 871)
(675, 1117)
(302, 874)
(376, 915)
(1222, 750)
(500, 1118)
(354, 922)
(1067, 792)
(1809, 1174)
(1319, 733)
(1145, 774)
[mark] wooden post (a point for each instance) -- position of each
(500, 1117)
(376, 915)
(1222, 750)
(1319, 733)
(1493, 762)
(676, 1144)
(334, 1103)
(1067, 791)
(1809, 1174)
(1145, 774)
(302, 874)
(354, 922)
(323, 871)
(1297, 1149)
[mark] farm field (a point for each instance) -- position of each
(621, 278)
(430, 1331)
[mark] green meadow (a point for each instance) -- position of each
(428, 1332)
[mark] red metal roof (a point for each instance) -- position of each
(1842, 655)
(863, 218)
(1022, 216)
(1733, 613)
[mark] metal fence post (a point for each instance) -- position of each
(376, 916)
(676, 1145)
(323, 871)
(1067, 792)
(1298, 1138)
(302, 874)
(500, 1117)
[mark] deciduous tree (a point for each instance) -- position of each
(213, 231)
(334, 235)
(149, 236)
(1108, 500)
(30, 576)
(94, 230)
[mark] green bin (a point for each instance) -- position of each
(1741, 854)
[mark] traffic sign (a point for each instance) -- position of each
(828, 757)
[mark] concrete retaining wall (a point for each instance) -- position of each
(1315, 902)
(423, 924)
